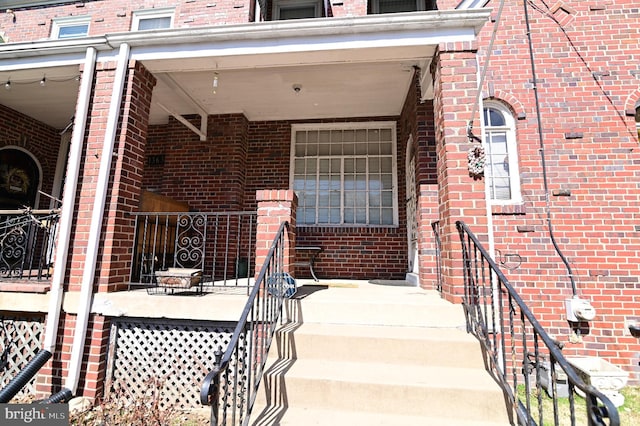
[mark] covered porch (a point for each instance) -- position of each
(217, 128)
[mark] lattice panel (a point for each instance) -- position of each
(19, 342)
(179, 353)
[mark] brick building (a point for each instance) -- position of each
(206, 104)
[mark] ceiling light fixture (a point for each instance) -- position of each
(215, 83)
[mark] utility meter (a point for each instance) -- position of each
(579, 310)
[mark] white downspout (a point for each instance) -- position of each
(93, 245)
(68, 204)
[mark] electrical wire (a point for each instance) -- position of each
(40, 80)
(483, 74)
(549, 15)
(541, 149)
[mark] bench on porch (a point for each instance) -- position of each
(308, 254)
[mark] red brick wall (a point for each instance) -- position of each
(42, 141)
(587, 59)
(209, 175)
(349, 252)
(114, 16)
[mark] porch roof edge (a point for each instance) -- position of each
(356, 25)
(473, 19)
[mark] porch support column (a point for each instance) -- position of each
(460, 196)
(117, 230)
(274, 207)
(125, 181)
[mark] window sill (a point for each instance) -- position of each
(509, 209)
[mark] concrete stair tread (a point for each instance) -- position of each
(386, 374)
(320, 417)
(375, 355)
(383, 331)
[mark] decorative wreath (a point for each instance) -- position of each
(17, 181)
(476, 157)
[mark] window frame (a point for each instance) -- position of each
(58, 24)
(421, 5)
(392, 127)
(512, 153)
(149, 14)
(637, 119)
(278, 5)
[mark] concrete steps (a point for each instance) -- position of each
(376, 355)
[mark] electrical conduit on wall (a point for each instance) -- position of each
(86, 291)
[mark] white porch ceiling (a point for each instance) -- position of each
(359, 67)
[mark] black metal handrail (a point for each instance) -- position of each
(27, 239)
(501, 320)
(231, 386)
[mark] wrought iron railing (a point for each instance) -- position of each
(231, 387)
(218, 245)
(520, 353)
(27, 239)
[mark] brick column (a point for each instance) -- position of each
(116, 240)
(112, 270)
(460, 196)
(274, 207)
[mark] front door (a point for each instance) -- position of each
(412, 209)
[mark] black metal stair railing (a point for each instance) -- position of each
(519, 353)
(27, 242)
(231, 386)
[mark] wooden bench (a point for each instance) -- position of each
(310, 252)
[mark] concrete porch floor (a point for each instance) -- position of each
(227, 303)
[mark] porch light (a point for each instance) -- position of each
(43, 82)
(215, 83)
(7, 85)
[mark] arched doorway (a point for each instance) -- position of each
(20, 178)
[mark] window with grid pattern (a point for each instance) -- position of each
(345, 175)
(501, 169)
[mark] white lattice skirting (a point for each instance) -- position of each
(20, 340)
(178, 353)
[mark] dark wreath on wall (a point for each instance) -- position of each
(19, 179)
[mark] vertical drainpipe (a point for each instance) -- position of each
(68, 204)
(88, 276)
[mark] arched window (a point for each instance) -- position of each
(501, 170)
